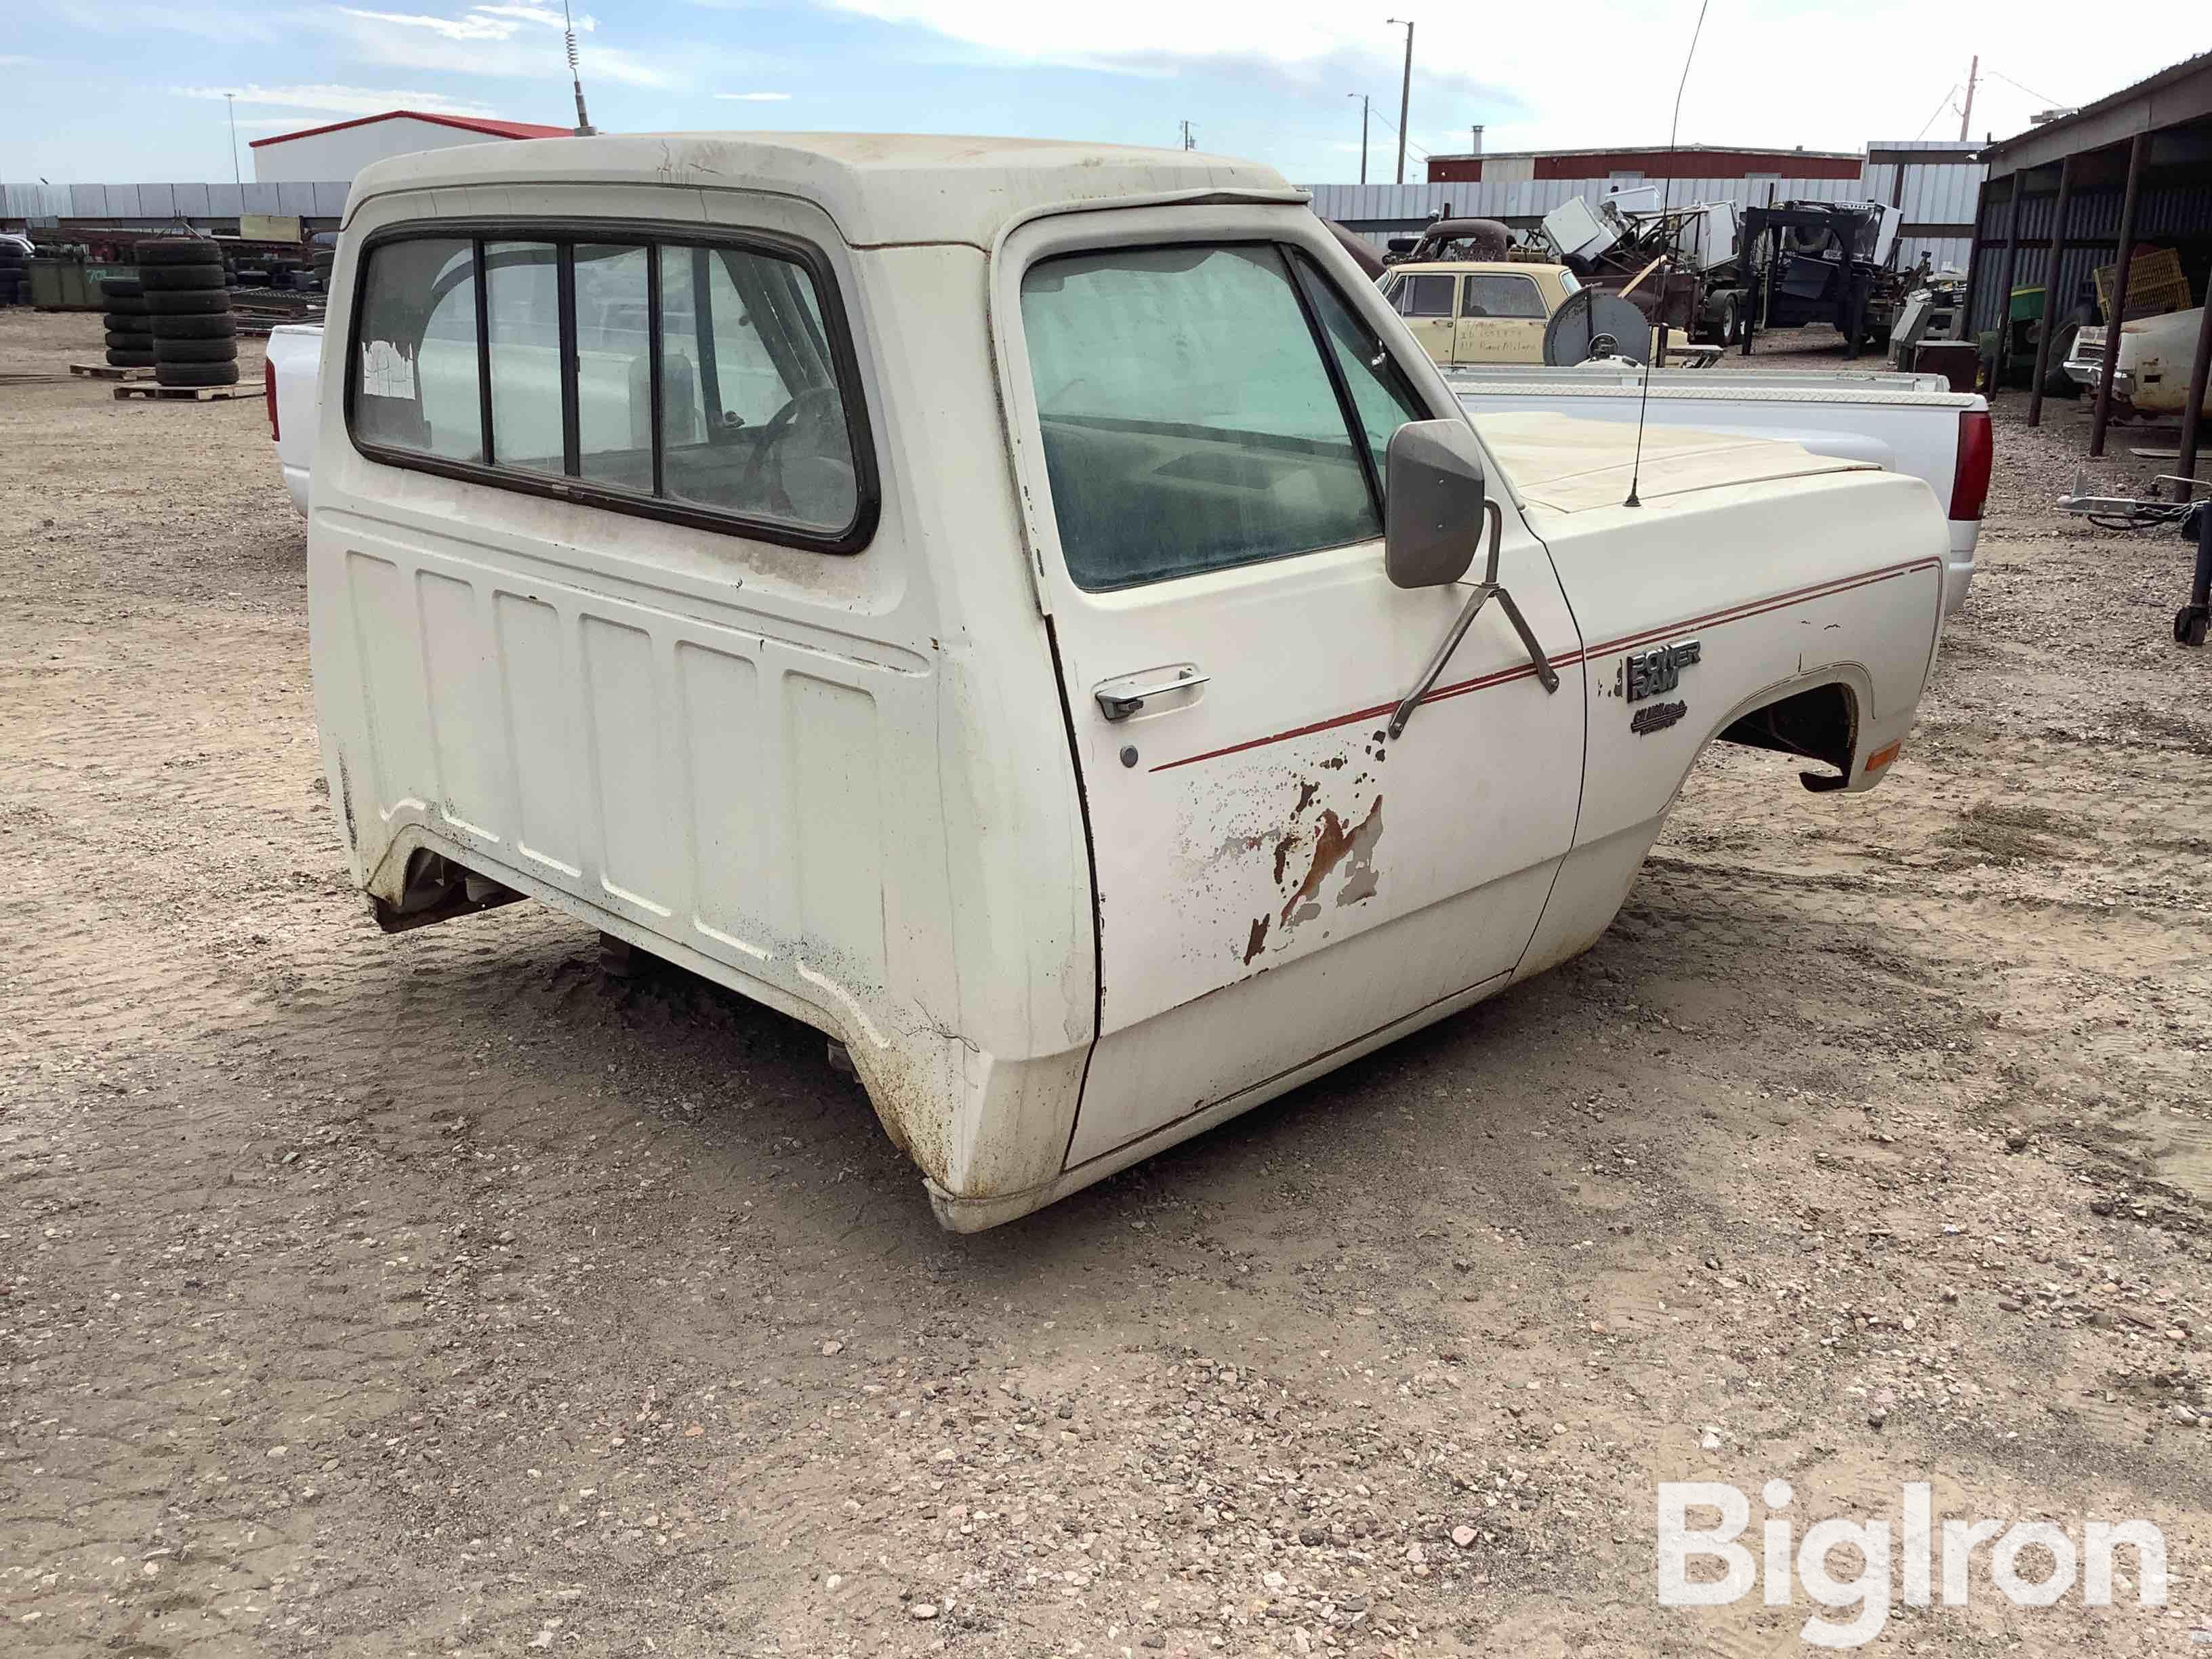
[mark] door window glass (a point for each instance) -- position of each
(1190, 422)
(1503, 296)
(1380, 392)
(1429, 295)
(415, 384)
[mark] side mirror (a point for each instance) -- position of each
(1433, 492)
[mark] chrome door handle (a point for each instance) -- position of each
(1120, 705)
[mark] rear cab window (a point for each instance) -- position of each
(668, 375)
(1204, 406)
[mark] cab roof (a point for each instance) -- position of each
(880, 189)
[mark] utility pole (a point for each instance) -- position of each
(1973, 73)
(1189, 142)
(1362, 98)
(1405, 92)
(230, 103)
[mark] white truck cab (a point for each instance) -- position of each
(1030, 612)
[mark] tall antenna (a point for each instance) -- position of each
(584, 127)
(1189, 140)
(1666, 276)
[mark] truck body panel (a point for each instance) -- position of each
(1061, 788)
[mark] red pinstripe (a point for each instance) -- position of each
(1527, 670)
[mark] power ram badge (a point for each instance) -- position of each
(1647, 673)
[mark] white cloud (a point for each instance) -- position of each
(227, 24)
(520, 42)
(754, 97)
(583, 24)
(336, 100)
(480, 25)
(1804, 72)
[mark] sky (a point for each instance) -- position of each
(132, 90)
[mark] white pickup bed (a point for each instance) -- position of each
(1908, 423)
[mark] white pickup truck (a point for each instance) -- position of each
(290, 377)
(1032, 612)
(1914, 424)
(1910, 423)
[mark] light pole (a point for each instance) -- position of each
(1405, 91)
(230, 103)
(1362, 98)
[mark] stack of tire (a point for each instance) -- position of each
(195, 336)
(130, 329)
(15, 277)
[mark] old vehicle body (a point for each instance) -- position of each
(2151, 376)
(1679, 263)
(289, 376)
(1478, 310)
(1002, 603)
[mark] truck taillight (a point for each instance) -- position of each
(268, 391)
(1970, 477)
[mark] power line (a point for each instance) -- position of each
(2030, 91)
(1410, 144)
(1945, 103)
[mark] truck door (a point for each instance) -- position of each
(1429, 301)
(1501, 320)
(1202, 429)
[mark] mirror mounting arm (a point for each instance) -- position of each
(1484, 590)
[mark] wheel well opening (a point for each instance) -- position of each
(1819, 723)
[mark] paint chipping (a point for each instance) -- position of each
(1283, 847)
(1258, 941)
(1306, 792)
(1359, 868)
(1333, 845)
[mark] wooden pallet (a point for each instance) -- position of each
(110, 371)
(198, 394)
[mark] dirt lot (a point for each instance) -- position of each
(378, 1296)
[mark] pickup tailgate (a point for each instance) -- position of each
(294, 362)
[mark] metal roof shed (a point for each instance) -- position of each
(2096, 188)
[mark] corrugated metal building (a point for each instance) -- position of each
(2132, 169)
(341, 148)
(159, 204)
(1680, 162)
(1933, 184)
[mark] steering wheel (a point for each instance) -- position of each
(814, 404)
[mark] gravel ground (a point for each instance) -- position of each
(373, 1296)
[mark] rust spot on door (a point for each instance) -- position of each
(1305, 799)
(1283, 847)
(1258, 940)
(1333, 845)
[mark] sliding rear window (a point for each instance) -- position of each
(700, 381)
